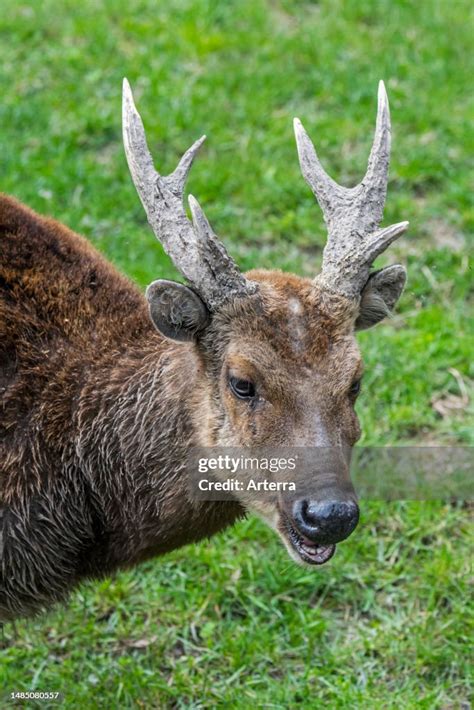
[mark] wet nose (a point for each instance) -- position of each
(325, 522)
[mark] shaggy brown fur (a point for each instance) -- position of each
(98, 410)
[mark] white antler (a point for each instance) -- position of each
(194, 248)
(352, 215)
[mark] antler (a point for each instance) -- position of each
(194, 248)
(352, 215)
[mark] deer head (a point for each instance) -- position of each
(280, 363)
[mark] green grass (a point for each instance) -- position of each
(232, 622)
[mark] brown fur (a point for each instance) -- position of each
(98, 410)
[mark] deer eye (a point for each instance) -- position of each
(355, 388)
(243, 389)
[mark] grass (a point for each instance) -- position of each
(232, 622)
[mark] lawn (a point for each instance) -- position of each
(232, 622)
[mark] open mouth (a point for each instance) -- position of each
(310, 552)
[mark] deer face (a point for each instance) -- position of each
(281, 365)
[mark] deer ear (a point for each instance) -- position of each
(379, 295)
(176, 311)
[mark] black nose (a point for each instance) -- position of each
(325, 522)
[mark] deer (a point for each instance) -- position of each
(104, 390)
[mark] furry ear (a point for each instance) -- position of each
(176, 311)
(379, 295)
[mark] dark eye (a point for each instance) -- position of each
(355, 388)
(243, 389)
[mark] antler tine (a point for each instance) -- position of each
(213, 251)
(353, 214)
(177, 180)
(324, 188)
(376, 177)
(382, 239)
(194, 248)
(139, 159)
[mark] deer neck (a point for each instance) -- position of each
(138, 423)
